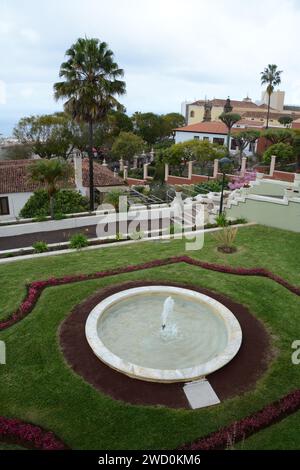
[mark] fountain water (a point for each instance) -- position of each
(168, 330)
(163, 333)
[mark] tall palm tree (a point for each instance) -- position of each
(91, 83)
(50, 173)
(270, 77)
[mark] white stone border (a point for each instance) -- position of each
(159, 375)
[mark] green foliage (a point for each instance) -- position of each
(213, 186)
(40, 247)
(113, 198)
(229, 119)
(48, 136)
(78, 241)
(16, 152)
(276, 136)
(127, 145)
(91, 81)
(148, 126)
(285, 120)
(283, 152)
(221, 220)
(244, 138)
(200, 150)
(271, 77)
(65, 202)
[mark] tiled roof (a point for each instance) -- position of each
(221, 103)
(212, 127)
(217, 127)
(14, 177)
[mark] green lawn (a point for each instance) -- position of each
(38, 386)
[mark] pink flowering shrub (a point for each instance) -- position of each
(36, 287)
(242, 429)
(238, 182)
(28, 435)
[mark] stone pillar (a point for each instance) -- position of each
(125, 173)
(104, 162)
(190, 170)
(78, 171)
(152, 155)
(243, 167)
(145, 169)
(115, 173)
(135, 160)
(216, 168)
(121, 164)
(272, 165)
(166, 172)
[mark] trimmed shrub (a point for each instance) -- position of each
(78, 241)
(66, 201)
(40, 247)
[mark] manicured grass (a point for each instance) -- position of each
(38, 386)
(282, 436)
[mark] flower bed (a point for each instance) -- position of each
(28, 435)
(244, 428)
(35, 288)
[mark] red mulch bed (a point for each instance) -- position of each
(236, 377)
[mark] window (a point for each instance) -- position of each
(4, 207)
(218, 140)
(205, 138)
(233, 144)
(192, 114)
(196, 137)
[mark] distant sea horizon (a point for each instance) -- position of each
(7, 126)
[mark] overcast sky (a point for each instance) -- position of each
(171, 50)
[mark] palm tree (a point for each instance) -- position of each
(270, 77)
(229, 119)
(90, 87)
(50, 173)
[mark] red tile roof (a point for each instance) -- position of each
(221, 103)
(217, 127)
(14, 177)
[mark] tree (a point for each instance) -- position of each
(202, 151)
(286, 121)
(283, 152)
(16, 152)
(270, 77)
(171, 121)
(149, 126)
(296, 146)
(229, 119)
(50, 173)
(276, 136)
(127, 145)
(49, 135)
(92, 82)
(244, 138)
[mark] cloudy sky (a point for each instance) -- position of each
(171, 50)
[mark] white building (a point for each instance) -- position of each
(216, 133)
(16, 186)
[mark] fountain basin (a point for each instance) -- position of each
(124, 331)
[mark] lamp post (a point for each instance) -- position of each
(223, 162)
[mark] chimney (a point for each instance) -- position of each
(78, 172)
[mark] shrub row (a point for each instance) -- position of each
(244, 428)
(35, 288)
(28, 435)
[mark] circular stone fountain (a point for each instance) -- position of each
(163, 333)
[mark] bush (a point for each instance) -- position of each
(40, 247)
(65, 202)
(78, 241)
(283, 152)
(213, 186)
